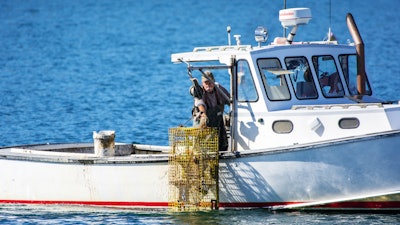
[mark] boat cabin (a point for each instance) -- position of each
(288, 93)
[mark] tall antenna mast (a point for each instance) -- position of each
(330, 12)
(330, 36)
(330, 19)
(284, 7)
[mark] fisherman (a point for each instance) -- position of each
(209, 107)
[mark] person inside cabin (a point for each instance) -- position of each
(307, 88)
(308, 75)
(302, 78)
(209, 109)
(331, 81)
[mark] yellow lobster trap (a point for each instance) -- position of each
(193, 169)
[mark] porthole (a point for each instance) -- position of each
(282, 126)
(349, 123)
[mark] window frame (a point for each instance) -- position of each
(252, 83)
(268, 93)
(367, 84)
(317, 72)
(293, 83)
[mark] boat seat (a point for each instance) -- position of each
(278, 92)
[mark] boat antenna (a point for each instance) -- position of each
(228, 29)
(284, 28)
(330, 35)
(330, 13)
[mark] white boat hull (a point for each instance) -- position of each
(317, 173)
(323, 172)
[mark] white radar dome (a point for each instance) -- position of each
(294, 16)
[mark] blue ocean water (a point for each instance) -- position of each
(85, 215)
(68, 68)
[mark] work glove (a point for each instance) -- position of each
(203, 121)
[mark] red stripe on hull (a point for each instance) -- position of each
(252, 204)
(131, 204)
(373, 205)
(364, 205)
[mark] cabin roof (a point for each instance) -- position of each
(225, 53)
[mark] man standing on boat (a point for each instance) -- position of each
(209, 108)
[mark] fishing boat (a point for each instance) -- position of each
(304, 126)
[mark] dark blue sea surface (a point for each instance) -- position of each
(68, 68)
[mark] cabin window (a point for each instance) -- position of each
(301, 77)
(349, 123)
(328, 76)
(282, 126)
(349, 68)
(274, 79)
(246, 90)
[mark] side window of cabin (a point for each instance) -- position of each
(274, 79)
(246, 90)
(349, 68)
(301, 77)
(328, 76)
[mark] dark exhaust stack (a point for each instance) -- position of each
(361, 77)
